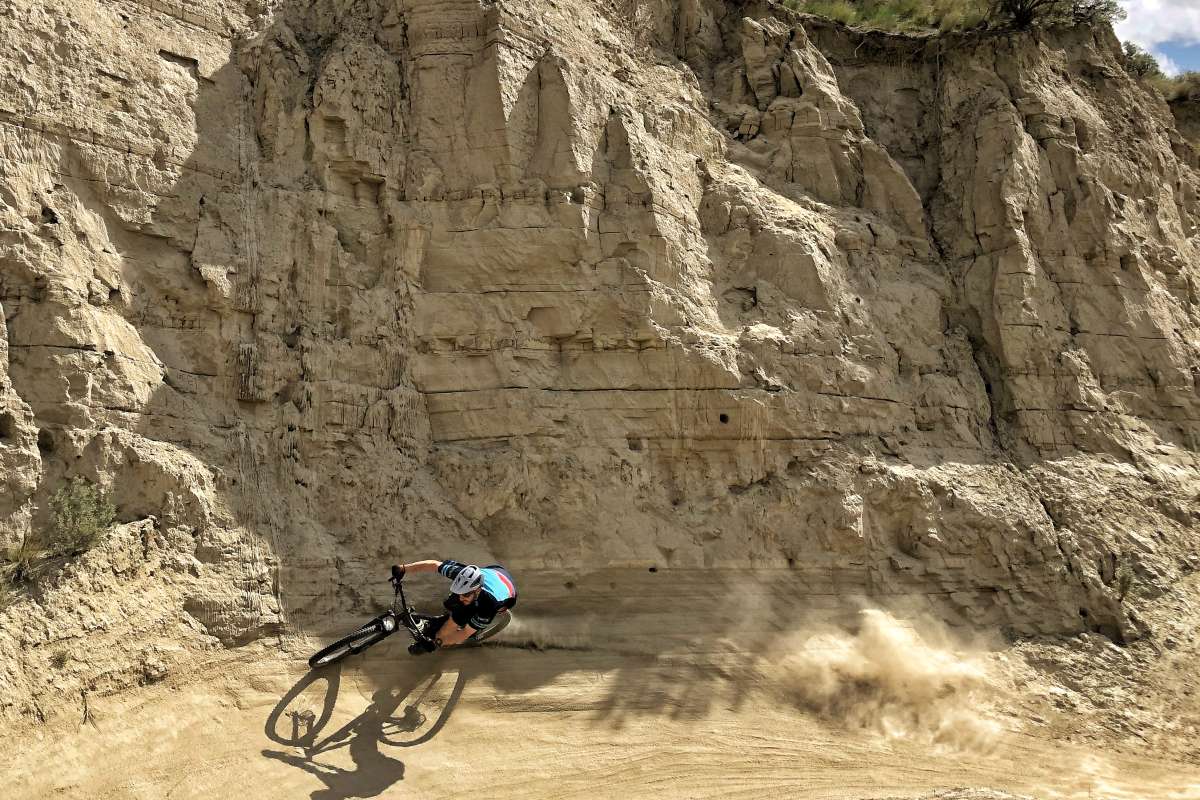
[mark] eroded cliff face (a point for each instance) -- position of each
(315, 286)
(1187, 117)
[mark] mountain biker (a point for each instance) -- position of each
(477, 596)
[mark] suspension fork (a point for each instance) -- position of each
(404, 613)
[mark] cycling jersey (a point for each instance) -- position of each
(498, 593)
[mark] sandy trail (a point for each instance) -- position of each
(552, 723)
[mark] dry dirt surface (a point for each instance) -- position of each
(863, 706)
(520, 724)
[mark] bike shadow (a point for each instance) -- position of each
(295, 722)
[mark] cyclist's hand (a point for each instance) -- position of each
(397, 572)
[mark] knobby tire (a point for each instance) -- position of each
(356, 642)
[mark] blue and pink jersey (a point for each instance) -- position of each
(499, 593)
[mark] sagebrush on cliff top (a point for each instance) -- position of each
(948, 15)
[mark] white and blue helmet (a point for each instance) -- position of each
(468, 579)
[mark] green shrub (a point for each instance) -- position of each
(1027, 13)
(79, 513)
(952, 15)
(1091, 12)
(1143, 66)
(1139, 63)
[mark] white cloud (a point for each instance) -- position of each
(1169, 67)
(1152, 22)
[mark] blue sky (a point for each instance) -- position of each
(1170, 29)
(1179, 56)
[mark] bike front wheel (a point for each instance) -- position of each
(356, 642)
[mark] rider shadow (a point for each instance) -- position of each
(377, 726)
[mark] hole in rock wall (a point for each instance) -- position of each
(8, 427)
(187, 62)
(49, 217)
(1083, 134)
(653, 569)
(744, 296)
(45, 442)
(724, 419)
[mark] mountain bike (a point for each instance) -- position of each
(400, 615)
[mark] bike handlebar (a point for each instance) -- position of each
(406, 613)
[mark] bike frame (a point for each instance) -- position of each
(401, 614)
(405, 612)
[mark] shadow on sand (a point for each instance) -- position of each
(404, 715)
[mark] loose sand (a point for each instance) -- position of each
(868, 708)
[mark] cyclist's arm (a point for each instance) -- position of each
(421, 566)
(451, 634)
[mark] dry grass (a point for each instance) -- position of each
(1180, 88)
(899, 15)
(958, 15)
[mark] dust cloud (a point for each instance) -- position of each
(541, 633)
(890, 678)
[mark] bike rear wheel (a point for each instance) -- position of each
(356, 642)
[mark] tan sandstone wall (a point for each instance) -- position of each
(315, 286)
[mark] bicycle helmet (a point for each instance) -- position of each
(467, 580)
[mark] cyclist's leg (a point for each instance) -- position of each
(501, 617)
(491, 624)
(431, 624)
